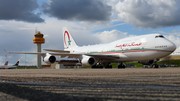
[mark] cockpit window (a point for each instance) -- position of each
(159, 36)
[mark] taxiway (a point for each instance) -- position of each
(90, 84)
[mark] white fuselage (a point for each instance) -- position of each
(7, 67)
(138, 48)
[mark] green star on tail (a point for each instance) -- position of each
(69, 42)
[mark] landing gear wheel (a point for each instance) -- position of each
(155, 66)
(121, 66)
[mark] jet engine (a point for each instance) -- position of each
(146, 62)
(88, 61)
(49, 59)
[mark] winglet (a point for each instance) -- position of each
(6, 51)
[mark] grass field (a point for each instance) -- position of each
(26, 68)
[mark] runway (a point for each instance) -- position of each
(90, 84)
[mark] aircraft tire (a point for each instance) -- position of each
(156, 65)
(119, 67)
(123, 67)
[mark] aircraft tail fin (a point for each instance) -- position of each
(6, 63)
(68, 39)
(17, 63)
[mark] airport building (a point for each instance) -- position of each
(66, 63)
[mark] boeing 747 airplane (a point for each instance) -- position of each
(6, 66)
(146, 49)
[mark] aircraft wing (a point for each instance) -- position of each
(60, 51)
(76, 55)
(24, 52)
(72, 55)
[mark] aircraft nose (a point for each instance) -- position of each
(171, 46)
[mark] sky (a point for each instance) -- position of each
(89, 22)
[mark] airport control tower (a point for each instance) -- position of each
(38, 40)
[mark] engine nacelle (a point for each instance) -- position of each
(49, 59)
(88, 61)
(146, 62)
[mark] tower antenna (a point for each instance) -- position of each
(36, 30)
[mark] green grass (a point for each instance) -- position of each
(26, 68)
(114, 65)
(170, 62)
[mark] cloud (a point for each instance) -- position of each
(174, 39)
(81, 10)
(172, 32)
(20, 10)
(149, 13)
(177, 49)
(17, 36)
(109, 36)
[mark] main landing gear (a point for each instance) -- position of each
(108, 66)
(100, 66)
(121, 66)
(155, 65)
